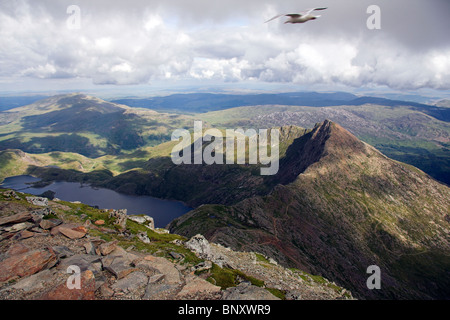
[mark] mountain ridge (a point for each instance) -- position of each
(204, 102)
(352, 208)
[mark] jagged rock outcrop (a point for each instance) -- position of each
(38, 201)
(120, 217)
(144, 220)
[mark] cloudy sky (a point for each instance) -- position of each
(143, 43)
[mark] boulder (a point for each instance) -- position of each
(119, 266)
(143, 237)
(62, 251)
(72, 233)
(293, 295)
(11, 194)
(56, 230)
(16, 249)
(159, 291)
(89, 247)
(205, 265)
(99, 222)
(131, 282)
(144, 220)
(156, 278)
(50, 223)
(196, 287)
(119, 251)
(81, 229)
(201, 247)
(119, 262)
(24, 234)
(247, 291)
(19, 227)
(176, 255)
(106, 248)
(39, 214)
(35, 282)
(17, 218)
(38, 201)
(62, 291)
(161, 265)
(106, 291)
(27, 263)
(82, 261)
(92, 246)
(120, 217)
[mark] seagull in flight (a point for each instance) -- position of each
(298, 17)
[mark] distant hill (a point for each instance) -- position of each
(445, 103)
(83, 124)
(11, 102)
(205, 102)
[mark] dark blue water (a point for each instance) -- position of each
(162, 211)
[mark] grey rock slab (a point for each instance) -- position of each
(131, 282)
(89, 247)
(16, 218)
(196, 286)
(156, 278)
(62, 251)
(159, 291)
(119, 266)
(161, 265)
(83, 261)
(19, 227)
(35, 282)
(49, 223)
(247, 291)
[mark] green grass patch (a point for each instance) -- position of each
(226, 277)
(277, 293)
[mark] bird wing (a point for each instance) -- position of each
(277, 16)
(311, 10)
(295, 15)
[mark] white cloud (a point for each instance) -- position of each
(225, 41)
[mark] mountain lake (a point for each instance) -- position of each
(162, 211)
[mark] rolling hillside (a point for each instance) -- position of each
(85, 125)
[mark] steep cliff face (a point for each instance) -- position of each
(338, 207)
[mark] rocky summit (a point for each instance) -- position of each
(56, 250)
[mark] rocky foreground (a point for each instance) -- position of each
(47, 246)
